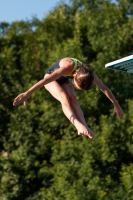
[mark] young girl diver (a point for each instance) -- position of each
(56, 81)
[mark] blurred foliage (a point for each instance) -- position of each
(41, 156)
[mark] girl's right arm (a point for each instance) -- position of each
(117, 108)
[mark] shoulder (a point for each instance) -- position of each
(65, 66)
(66, 62)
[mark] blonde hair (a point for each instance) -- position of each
(84, 77)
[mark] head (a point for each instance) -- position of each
(83, 78)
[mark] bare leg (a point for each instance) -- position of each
(60, 94)
(74, 104)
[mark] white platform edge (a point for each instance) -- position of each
(119, 61)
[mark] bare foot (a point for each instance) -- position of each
(85, 131)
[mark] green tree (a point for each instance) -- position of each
(41, 155)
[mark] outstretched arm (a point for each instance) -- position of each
(65, 68)
(117, 109)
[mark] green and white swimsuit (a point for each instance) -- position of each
(56, 66)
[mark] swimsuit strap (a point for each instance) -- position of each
(76, 61)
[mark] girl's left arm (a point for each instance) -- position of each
(117, 109)
(65, 68)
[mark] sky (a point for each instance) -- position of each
(16, 10)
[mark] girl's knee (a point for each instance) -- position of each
(64, 98)
(72, 99)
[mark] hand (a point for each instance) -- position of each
(21, 98)
(118, 110)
